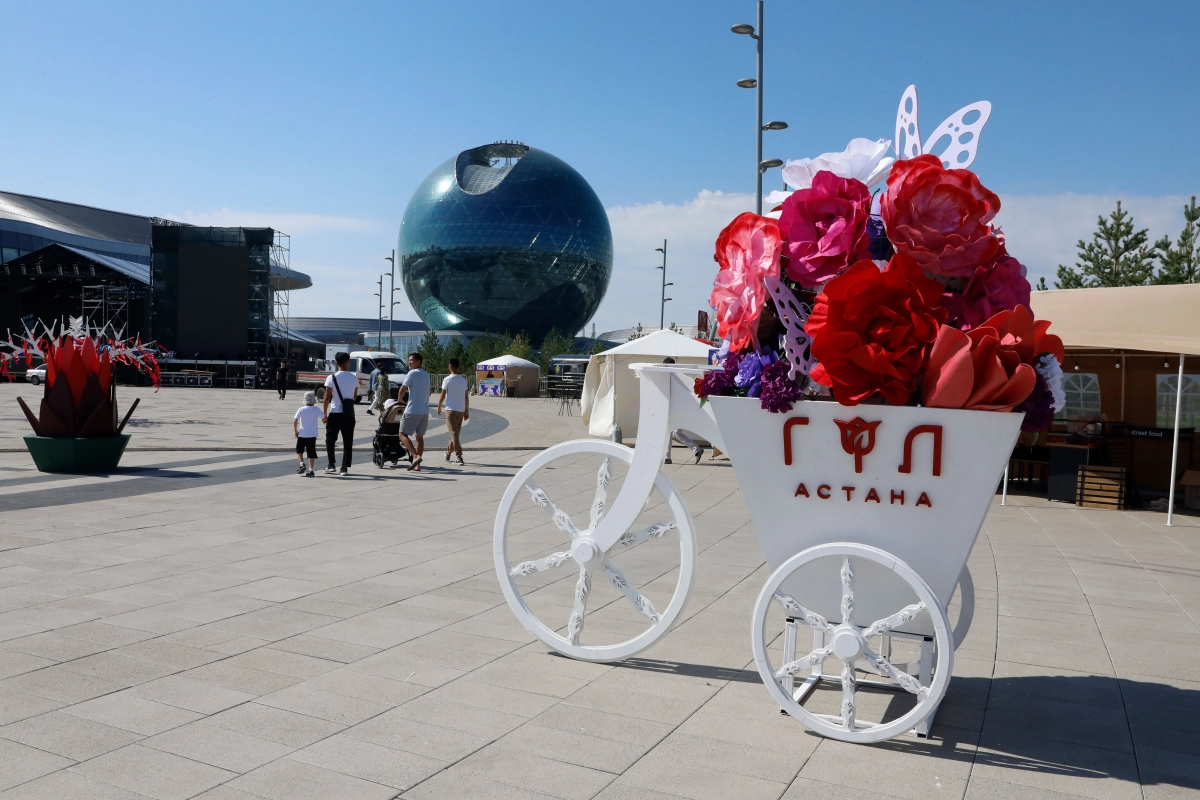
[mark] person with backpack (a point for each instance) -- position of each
(341, 393)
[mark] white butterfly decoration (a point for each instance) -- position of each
(797, 344)
(963, 136)
(863, 159)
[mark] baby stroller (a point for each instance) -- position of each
(386, 446)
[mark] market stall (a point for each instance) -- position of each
(508, 376)
(610, 388)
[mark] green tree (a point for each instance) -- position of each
(433, 355)
(520, 347)
(456, 349)
(1041, 285)
(1117, 256)
(554, 344)
(1181, 263)
(484, 348)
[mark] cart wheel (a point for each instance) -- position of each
(378, 459)
(538, 569)
(848, 643)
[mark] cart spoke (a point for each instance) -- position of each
(618, 579)
(847, 589)
(540, 565)
(582, 588)
(600, 504)
(814, 620)
(886, 667)
(538, 495)
(849, 686)
(812, 659)
(889, 624)
(645, 534)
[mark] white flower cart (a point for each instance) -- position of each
(866, 516)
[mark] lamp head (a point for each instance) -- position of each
(744, 29)
(747, 83)
(775, 126)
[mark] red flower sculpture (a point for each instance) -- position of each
(748, 251)
(1000, 286)
(825, 228)
(871, 329)
(940, 217)
(991, 367)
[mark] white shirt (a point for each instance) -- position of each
(347, 382)
(309, 416)
(455, 387)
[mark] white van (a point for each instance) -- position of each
(362, 364)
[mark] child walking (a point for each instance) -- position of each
(304, 424)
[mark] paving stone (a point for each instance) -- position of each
(152, 772)
(20, 763)
(127, 710)
(209, 743)
(276, 724)
(352, 756)
(69, 736)
(288, 779)
(193, 695)
(67, 783)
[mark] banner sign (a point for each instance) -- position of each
(1164, 434)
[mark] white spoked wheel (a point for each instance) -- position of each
(848, 643)
(533, 557)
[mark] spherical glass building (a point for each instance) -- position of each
(505, 238)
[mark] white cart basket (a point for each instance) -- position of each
(866, 516)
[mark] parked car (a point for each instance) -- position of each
(36, 375)
(362, 363)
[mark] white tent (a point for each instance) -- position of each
(610, 388)
(520, 376)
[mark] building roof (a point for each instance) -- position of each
(134, 270)
(1157, 319)
(66, 261)
(79, 220)
(351, 326)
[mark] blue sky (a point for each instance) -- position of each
(320, 119)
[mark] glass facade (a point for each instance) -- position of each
(14, 245)
(505, 238)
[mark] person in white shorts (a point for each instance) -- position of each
(458, 411)
(416, 414)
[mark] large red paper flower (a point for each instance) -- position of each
(870, 330)
(991, 368)
(748, 251)
(940, 217)
(825, 228)
(1000, 286)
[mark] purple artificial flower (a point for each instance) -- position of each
(719, 381)
(880, 246)
(750, 369)
(1038, 407)
(779, 392)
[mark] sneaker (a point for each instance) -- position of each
(699, 454)
(300, 470)
(331, 470)
(667, 460)
(344, 472)
(309, 474)
(459, 461)
(447, 455)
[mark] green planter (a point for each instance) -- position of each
(76, 455)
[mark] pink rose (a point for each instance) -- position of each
(748, 251)
(825, 228)
(999, 286)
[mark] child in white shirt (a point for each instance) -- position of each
(304, 424)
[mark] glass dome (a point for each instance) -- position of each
(505, 238)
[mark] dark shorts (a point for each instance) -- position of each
(307, 444)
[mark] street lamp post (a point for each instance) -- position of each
(391, 308)
(756, 83)
(379, 294)
(662, 306)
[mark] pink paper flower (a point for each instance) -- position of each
(826, 228)
(999, 286)
(748, 251)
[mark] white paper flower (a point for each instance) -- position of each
(862, 159)
(1051, 371)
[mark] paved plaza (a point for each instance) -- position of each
(206, 623)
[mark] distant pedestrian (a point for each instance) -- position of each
(372, 386)
(341, 392)
(416, 414)
(458, 409)
(281, 379)
(304, 425)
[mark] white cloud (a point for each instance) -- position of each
(691, 230)
(1042, 230)
(292, 224)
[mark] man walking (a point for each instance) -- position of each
(454, 398)
(416, 414)
(281, 379)
(341, 392)
(373, 385)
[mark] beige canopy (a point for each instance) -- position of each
(1158, 319)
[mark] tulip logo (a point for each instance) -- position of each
(858, 438)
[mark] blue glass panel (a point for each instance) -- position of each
(505, 238)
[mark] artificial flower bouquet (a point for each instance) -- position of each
(907, 297)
